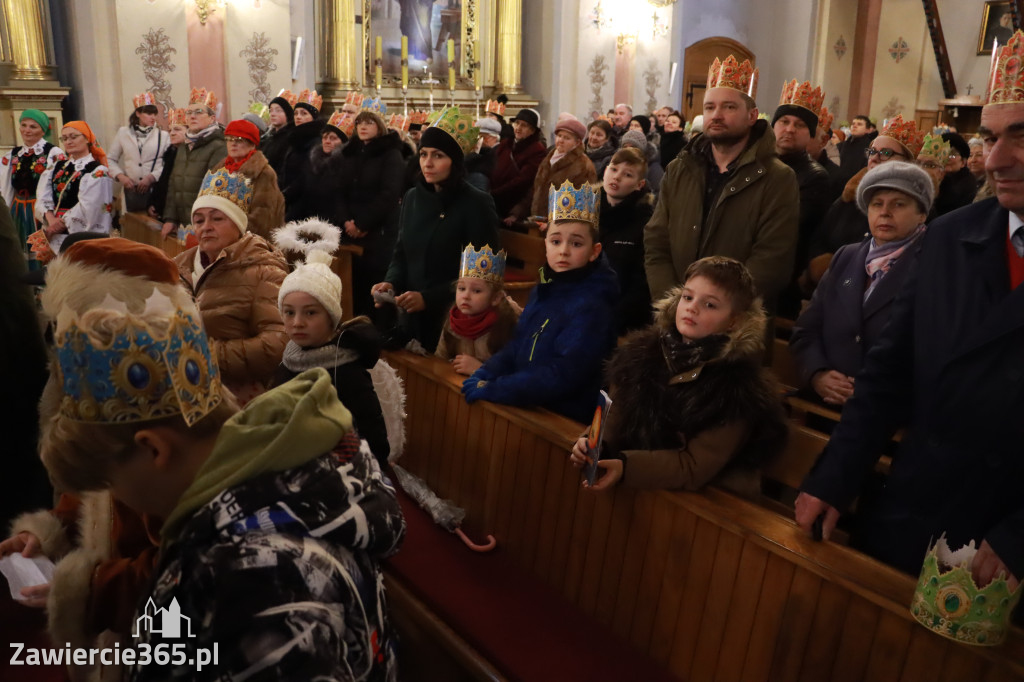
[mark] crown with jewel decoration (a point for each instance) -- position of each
(354, 98)
(495, 107)
(569, 203)
(825, 119)
(234, 187)
(289, 96)
(146, 99)
(418, 117)
(803, 95)
(949, 602)
(204, 97)
(732, 74)
(310, 98)
(904, 132)
(398, 122)
(376, 105)
(935, 149)
(1006, 76)
(458, 125)
(483, 264)
(138, 356)
(261, 110)
(177, 117)
(342, 121)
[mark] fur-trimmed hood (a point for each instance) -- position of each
(850, 190)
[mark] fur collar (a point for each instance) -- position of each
(850, 190)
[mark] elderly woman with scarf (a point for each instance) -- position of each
(266, 212)
(853, 301)
(76, 193)
(136, 156)
(565, 161)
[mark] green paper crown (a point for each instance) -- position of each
(458, 125)
(261, 110)
(936, 149)
(948, 602)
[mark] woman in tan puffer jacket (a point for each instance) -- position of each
(235, 276)
(567, 160)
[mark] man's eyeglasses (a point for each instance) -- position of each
(196, 112)
(886, 154)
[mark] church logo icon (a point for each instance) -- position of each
(163, 621)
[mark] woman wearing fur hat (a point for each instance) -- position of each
(565, 161)
(372, 173)
(853, 301)
(235, 276)
(79, 192)
(266, 212)
(306, 135)
(136, 155)
(691, 402)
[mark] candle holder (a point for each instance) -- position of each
(405, 86)
(478, 95)
(378, 64)
(431, 82)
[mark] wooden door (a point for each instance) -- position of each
(696, 60)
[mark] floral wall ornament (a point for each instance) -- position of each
(260, 58)
(597, 82)
(840, 47)
(597, 17)
(659, 27)
(155, 50)
(892, 108)
(899, 50)
(652, 81)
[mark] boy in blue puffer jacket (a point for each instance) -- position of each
(568, 326)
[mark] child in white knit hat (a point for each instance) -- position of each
(310, 304)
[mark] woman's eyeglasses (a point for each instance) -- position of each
(886, 154)
(70, 138)
(232, 138)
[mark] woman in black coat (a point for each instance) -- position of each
(371, 192)
(318, 195)
(274, 144)
(307, 133)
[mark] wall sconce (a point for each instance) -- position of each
(204, 8)
(624, 39)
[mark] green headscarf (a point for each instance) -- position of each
(39, 117)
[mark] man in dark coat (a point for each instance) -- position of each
(949, 367)
(958, 186)
(851, 150)
(516, 161)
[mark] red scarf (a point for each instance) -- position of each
(232, 165)
(471, 327)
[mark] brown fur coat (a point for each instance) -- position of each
(482, 347)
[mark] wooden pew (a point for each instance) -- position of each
(525, 257)
(710, 585)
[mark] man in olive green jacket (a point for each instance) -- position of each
(726, 194)
(203, 150)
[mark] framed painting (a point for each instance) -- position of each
(996, 25)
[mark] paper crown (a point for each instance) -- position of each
(458, 125)
(825, 119)
(261, 110)
(398, 122)
(568, 203)
(731, 74)
(904, 132)
(146, 99)
(803, 95)
(311, 98)
(935, 149)
(376, 105)
(418, 117)
(234, 187)
(288, 96)
(342, 121)
(354, 98)
(177, 117)
(1006, 75)
(495, 107)
(606, 118)
(204, 97)
(483, 264)
(948, 601)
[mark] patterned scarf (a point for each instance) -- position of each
(682, 355)
(881, 257)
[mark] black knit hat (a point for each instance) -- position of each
(645, 123)
(284, 104)
(528, 116)
(439, 139)
(314, 112)
(805, 115)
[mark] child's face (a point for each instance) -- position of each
(306, 321)
(621, 180)
(704, 309)
(474, 296)
(569, 246)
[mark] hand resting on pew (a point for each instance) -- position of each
(809, 508)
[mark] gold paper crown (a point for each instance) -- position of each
(569, 203)
(483, 264)
(458, 125)
(731, 74)
(803, 95)
(419, 117)
(906, 133)
(177, 117)
(234, 187)
(398, 122)
(146, 99)
(948, 601)
(311, 98)
(288, 96)
(354, 98)
(825, 119)
(204, 97)
(343, 122)
(495, 107)
(936, 149)
(1006, 77)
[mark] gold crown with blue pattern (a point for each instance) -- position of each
(569, 203)
(376, 105)
(234, 187)
(458, 125)
(483, 264)
(949, 602)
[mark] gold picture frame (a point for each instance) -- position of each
(996, 23)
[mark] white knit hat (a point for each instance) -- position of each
(315, 277)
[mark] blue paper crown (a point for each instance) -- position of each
(376, 105)
(568, 203)
(234, 187)
(141, 375)
(483, 264)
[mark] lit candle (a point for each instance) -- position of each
(451, 64)
(478, 72)
(378, 54)
(405, 61)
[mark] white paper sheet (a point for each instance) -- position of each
(25, 572)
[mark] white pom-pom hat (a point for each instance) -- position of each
(315, 277)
